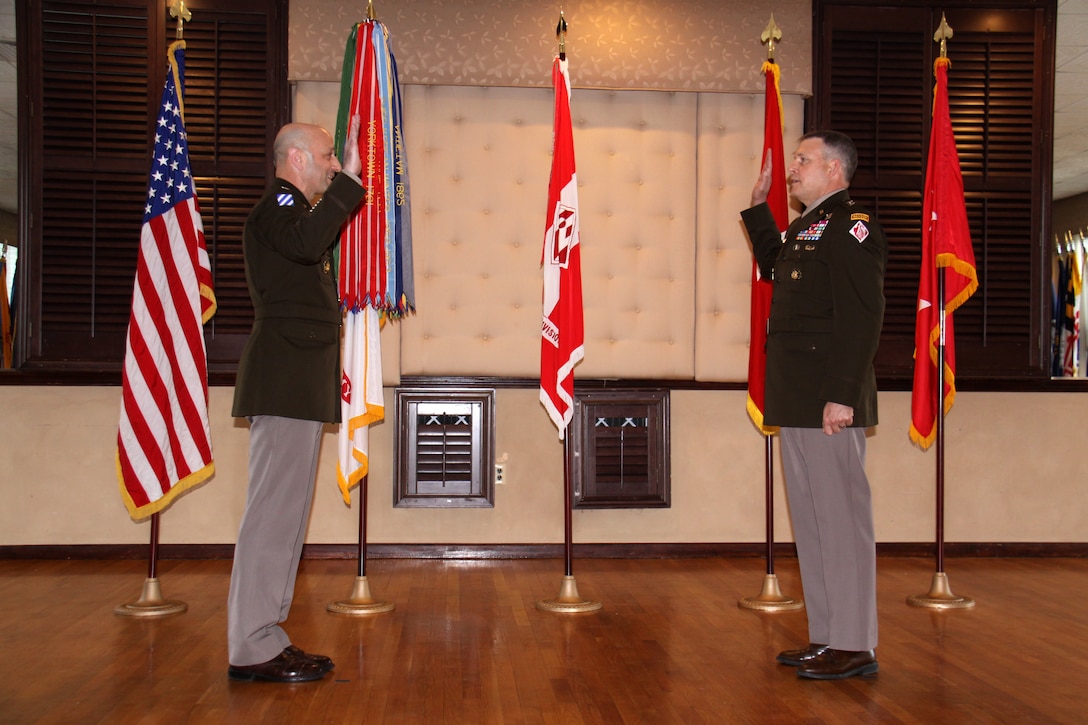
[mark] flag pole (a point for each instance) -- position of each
(770, 597)
(361, 601)
(151, 602)
(940, 594)
(568, 600)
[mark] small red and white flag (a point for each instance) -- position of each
(164, 441)
(947, 250)
(562, 334)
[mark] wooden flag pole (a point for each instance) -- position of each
(770, 598)
(361, 601)
(151, 602)
(940, 594)
(568, 599)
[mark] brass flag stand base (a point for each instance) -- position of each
(770, 599)
(940, 596)
(568, 600)
(151, 603)
(361, 602)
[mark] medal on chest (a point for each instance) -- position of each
(814, 231)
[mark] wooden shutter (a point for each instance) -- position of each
(94, 99)
(875, 83)
(445, 448)
(618, 455)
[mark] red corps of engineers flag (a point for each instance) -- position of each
(164, 440)
(762, 289)
(562, 334)
(947, 250)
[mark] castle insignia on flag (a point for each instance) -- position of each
(285, 199)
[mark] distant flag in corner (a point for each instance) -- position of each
(164, 441)
(562, 331)
(375, 253)
(946, 249)
(762, 288)
(5, 310)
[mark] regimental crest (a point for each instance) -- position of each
(564, 233)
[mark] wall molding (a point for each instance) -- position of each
(544, 551)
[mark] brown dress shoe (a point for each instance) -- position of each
(321, 661)
(837, 664)
(798, 657)
(281, 668)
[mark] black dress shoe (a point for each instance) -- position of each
(321, 661)
(837, 664)
(281, 668)
(798, 657)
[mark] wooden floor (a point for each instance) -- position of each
(466, 644)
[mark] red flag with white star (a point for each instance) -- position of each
(947, 250)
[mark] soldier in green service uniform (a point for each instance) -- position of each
(826, 313)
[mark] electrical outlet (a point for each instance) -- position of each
(500, 473)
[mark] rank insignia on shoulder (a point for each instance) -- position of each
(859, 231)
(859, 215)
(285, 199)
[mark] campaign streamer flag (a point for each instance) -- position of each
(946, 249)
(164, 442)
(762, 288)
(562, 332)
(375, 252)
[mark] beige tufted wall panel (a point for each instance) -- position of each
(729, 158)
(636, 171)
(666, 265)
(480, 159)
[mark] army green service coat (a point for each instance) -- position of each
(291, 364)
(827, 309)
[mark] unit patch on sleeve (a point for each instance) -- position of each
(285, 199)
(859, 231)
(858, 215)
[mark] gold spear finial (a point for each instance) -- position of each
(561, 33)
(179, 11)
(943, 35)
(371, 13)
(771, 35)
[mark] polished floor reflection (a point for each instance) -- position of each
(466, 644)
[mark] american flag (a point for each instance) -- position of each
(562, 331)
(164, 439)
